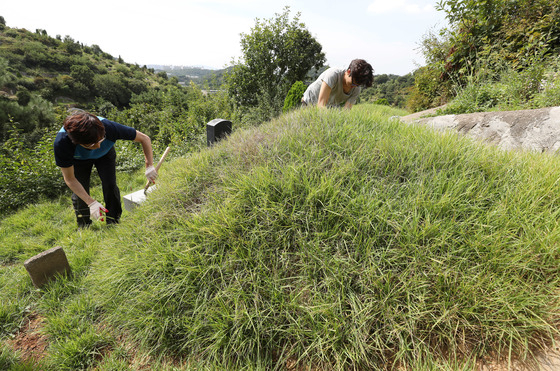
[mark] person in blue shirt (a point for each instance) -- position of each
(85, 141)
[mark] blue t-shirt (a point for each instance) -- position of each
(66, 152)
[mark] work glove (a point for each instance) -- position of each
(96, 211)
(151, 174)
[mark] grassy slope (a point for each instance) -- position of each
(329, 238)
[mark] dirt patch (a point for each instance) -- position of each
(29, 341)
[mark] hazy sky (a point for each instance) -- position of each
(386, 33)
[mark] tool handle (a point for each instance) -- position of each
(158, 165)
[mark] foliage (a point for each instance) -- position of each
(533, 87)
(276, 53)
(382, 102)
(499, 30)
(390, 88)
(36, 67)
(427, 91)
(28, 174)
(293, 99)
(493, 36)
(113, 89)
(30, 118)
(206, 78)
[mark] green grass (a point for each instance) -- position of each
(536, 86)
(326, 239)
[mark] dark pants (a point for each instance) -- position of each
(112, 196)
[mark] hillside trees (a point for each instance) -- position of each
(388, 89)
(276, 53)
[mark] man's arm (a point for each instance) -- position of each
(324, 95)
(348, 105)
(75, 185)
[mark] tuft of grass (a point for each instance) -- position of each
(339, 240)
(27, 232)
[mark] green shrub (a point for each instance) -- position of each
(27, 173)
(476, 97)
(549, 92)
(427, 91)
(293, 99)
(382, 102)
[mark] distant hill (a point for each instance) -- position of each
(37, 70)
(205, 77)
(56, 66)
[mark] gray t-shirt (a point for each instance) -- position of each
(334, 79)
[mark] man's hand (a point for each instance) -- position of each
(96, 211)
(151, 174)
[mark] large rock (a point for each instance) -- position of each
(534, 130)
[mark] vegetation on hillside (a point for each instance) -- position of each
(389, 90)
(207, 79)
(41, 76)
(498, 54)
(276, 53)
(324, 239)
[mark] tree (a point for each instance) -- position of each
(276, 54)
(485, 38)
(497, 32)
(71, 46)
(23, 97)
(113, 89)
(82, 73)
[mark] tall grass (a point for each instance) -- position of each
(507, 88)
(338, 240)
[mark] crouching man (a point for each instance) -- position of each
(86, 140)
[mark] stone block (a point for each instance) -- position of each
(217, 129)
(45, 266)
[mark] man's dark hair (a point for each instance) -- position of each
(84, 128)
(361, 72)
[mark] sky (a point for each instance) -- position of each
(207, 33)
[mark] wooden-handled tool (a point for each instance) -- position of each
(157, 166)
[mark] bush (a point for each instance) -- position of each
(28, 173)
(535, 86)
(293, 99)
(113, 89)
(382, 102)
(427, 90)
(23, 97)
(549, 87)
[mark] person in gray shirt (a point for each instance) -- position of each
(336, 86)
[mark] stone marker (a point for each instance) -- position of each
(45, 266)
(217, 129)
